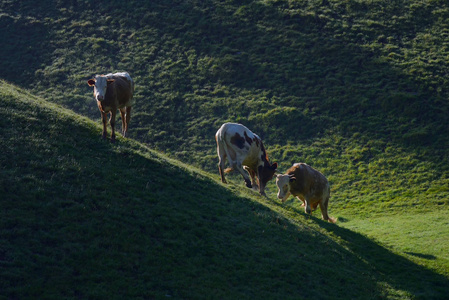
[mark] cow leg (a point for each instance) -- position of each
(104, 119)
(302, 200)
(261, 188)
(239, 167)
(221, 160)
(123, 117)
(323, 207)
(252, 174)
(307, 209)
(112, 122)
(128, 117)
(221, 165)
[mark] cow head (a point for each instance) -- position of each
(100, 84)
(283, 184)
(266, 173)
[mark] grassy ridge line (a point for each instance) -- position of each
(64, 214)
(354, 88)
(67, 230)
(11, 91)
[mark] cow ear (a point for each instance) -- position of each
(274, 166)
(110, 81)
(91, 82)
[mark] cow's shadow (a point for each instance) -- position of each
(389, 268)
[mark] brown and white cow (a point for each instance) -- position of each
(244, 150)
(308, 185)
(112, 92)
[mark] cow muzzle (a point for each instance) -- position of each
(283, 198)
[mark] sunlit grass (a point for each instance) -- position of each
(420, 237)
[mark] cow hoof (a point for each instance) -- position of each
(248, 185)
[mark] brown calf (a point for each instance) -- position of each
(308, 185)
(112, 92)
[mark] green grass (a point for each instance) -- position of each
(422, 237)
(357, 89)
(83, 218)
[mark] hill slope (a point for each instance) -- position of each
(357, 89)
(81, 218)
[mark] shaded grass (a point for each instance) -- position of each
(82, 218)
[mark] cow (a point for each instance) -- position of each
(112, 92)
(308, 185)
(244, 151)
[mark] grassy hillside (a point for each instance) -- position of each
(82, 218)
(357, 89)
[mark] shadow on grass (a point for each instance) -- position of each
(391, 268)
(388, 269)
(387, 274)
(420, 255)
(82, 218)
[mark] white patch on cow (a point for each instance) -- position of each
(120, 74)
(101, 83)
(100, 87)
(245, 152)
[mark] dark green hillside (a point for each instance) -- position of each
(357, 89)
(82, 218)
(316, 67)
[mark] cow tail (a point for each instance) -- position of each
(331, 219)
(228, 170)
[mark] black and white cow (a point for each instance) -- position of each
(244, 151)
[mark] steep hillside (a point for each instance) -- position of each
(82, 218)
(357, 88)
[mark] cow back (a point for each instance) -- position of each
(119, 93)
(243, 145)
(309, 182)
